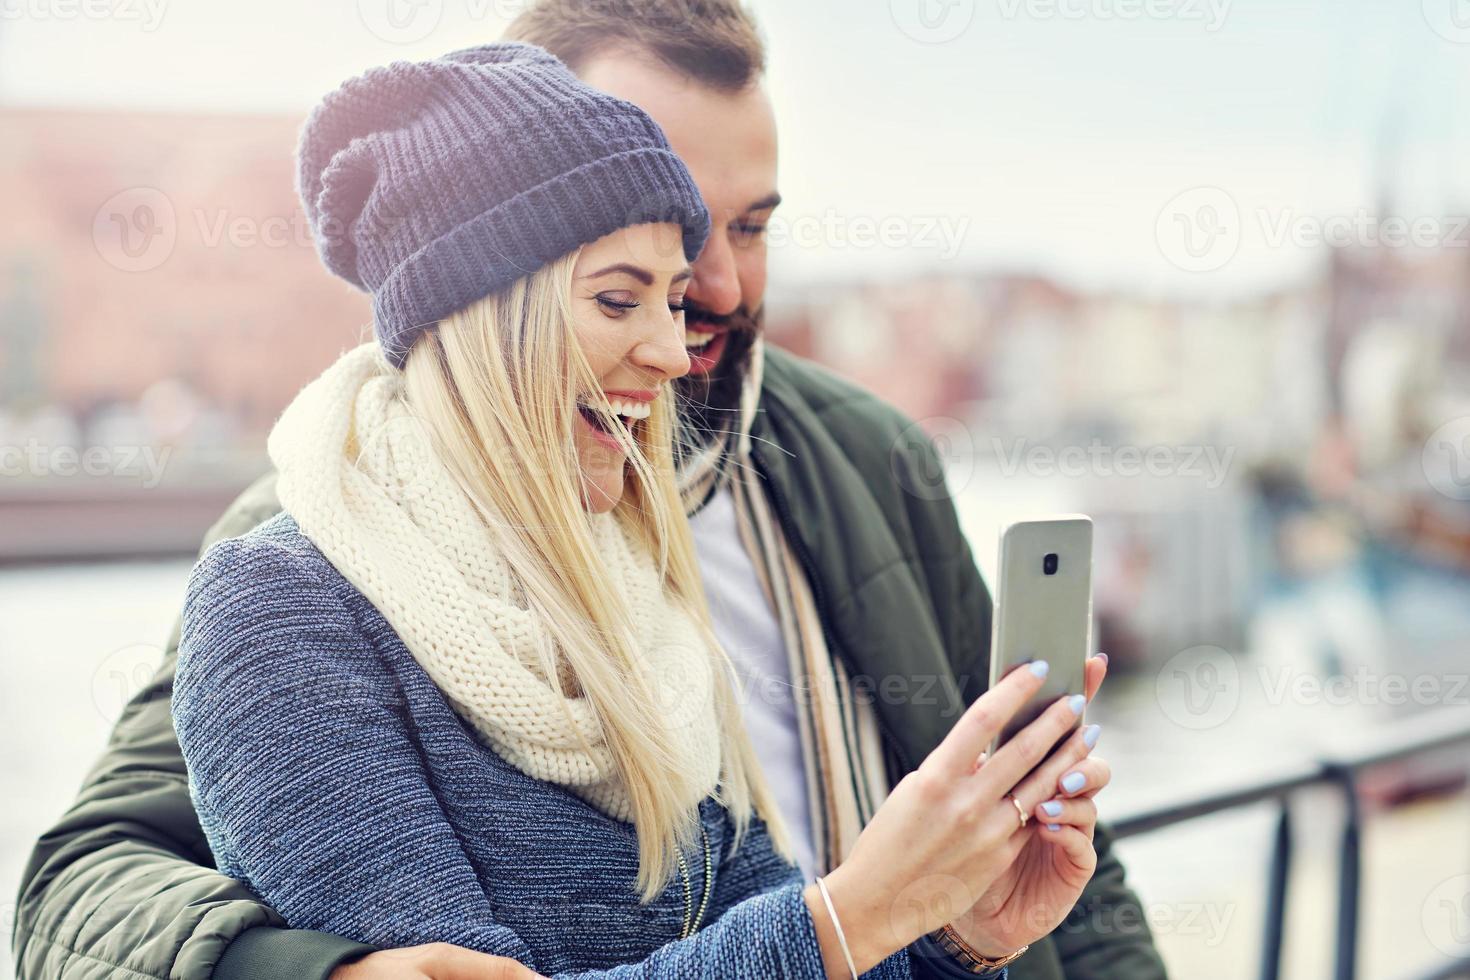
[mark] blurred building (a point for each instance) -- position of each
(153, 246)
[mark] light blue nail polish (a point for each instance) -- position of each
(1053, 826)
(1073, 781)
(1076, 702)
(1053, 809)
(1090, 735)
(1040, 667)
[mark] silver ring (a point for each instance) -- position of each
(1020, 810)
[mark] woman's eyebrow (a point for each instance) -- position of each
(637, 272)
(642, 275)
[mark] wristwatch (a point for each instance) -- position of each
(968, 957)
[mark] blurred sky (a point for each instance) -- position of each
(1043, 135)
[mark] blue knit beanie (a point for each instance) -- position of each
(433, 184)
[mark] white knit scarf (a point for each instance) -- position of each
(360, 475)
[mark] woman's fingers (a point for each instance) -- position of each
(1085, 778)
(1043, 782)
(1075, 844)
(1080, 813)
(1094, 672)
(1020, 755)
(982, 721)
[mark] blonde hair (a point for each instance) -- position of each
(496, 384)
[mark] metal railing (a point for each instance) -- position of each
(1338, 770)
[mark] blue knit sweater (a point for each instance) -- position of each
(333, 778)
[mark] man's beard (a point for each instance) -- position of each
(709, 403)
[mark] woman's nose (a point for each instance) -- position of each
(664, 352)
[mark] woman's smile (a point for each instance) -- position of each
(629, 405)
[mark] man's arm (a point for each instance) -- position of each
(124, 884)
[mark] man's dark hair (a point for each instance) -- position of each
(715, 42)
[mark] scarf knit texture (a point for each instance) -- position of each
(361, 477)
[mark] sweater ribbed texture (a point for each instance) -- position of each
(332, 777)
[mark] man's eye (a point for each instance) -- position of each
(749, 229)
(679, 306)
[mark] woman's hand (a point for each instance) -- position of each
(947, 833)
(433, 961)
(1032, 896)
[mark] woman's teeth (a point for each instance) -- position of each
(629, 410)
(696, 339)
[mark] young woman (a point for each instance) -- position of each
(464, 689)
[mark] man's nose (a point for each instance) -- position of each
(716, 283)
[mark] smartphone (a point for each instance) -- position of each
(1043, 610)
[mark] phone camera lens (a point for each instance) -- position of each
(1049, 564)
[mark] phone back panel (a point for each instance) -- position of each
(1042, 616)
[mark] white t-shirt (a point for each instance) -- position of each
(746, 624)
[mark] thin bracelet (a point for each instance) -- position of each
(841, 939)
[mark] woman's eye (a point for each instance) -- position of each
(613, 307)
